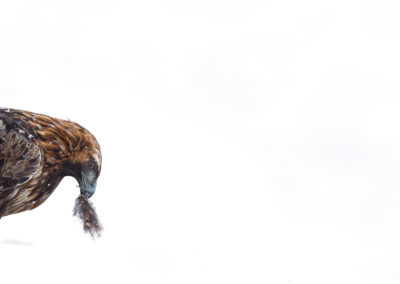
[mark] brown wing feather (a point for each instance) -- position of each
(20, 157)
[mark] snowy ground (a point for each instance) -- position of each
(243, 141)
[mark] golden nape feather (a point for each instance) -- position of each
(36, 152)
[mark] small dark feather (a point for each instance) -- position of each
(85, 211)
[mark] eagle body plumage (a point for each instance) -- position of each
(36, 152)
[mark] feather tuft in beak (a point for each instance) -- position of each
(85, 211)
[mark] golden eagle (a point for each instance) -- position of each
(36, 152)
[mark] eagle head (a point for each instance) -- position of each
(84, 163)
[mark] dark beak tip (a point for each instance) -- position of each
(88, 192)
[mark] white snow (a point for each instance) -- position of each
(243, 141)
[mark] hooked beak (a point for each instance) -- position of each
(88, 184)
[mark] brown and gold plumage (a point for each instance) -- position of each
(36, 152)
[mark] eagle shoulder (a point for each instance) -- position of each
(20, 157)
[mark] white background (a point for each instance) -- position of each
(243, 141)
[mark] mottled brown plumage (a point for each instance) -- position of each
(36, 152)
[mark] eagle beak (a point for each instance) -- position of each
(88, 184)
